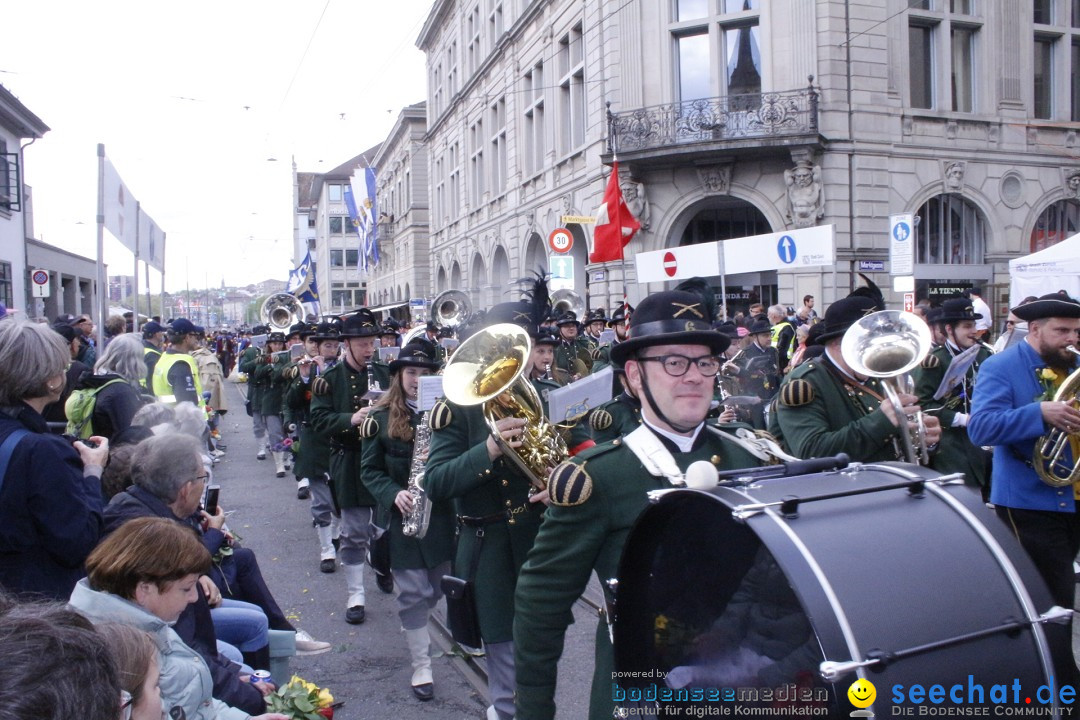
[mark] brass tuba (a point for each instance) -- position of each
(565, 300)
(489, 369)
(886, 345)
(281, 311)
(1049, 457)
(451, 308)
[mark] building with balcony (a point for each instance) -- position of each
(732, 118)
(402, 229)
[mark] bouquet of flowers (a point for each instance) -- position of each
(1048, 379)
(301, 700)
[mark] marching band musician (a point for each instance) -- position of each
(313, 460)
(338, 409)
(1013, 407)
(389, 459)
(574, 353)
(248, 363)
(296, 413)
(825, 408)
(268, 376)
(497, 517)
(670, 361)
(757, 369)
(956, 453)
(594, 325)
(544, 375)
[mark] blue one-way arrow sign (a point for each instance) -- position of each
(786, 249)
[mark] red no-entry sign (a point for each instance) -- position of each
(671, 266)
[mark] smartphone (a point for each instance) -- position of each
(211, 500)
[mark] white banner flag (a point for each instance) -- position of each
(151, 242)
(119, 208)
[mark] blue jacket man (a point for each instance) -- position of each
(1013, 406)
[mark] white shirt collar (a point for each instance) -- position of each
(839, 366)
(682, 442)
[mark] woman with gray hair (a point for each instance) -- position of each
(50, 490)
(104, 402)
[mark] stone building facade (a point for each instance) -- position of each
(741, 117)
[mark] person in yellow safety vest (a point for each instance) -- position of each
(176, 375)
(783, 335)
(153, 342)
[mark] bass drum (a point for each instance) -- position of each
(767, 594)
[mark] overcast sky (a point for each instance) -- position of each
(190, 100)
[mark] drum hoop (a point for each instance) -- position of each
(1009, 569)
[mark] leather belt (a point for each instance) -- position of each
(485, 520)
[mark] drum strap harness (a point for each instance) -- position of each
(656, 458)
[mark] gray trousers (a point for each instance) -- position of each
(418, 592)
(275, 429)
(258, 424)
(322, 502)
(356, 532)
(500, 667)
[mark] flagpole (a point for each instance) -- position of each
(101, 279)
(135, 285)
(622, 249)
(162, 300)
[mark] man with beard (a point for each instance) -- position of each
(956, 452)
(1012, 408)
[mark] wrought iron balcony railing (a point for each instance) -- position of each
(733, 117)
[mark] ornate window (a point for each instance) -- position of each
(943, 38)
(949, 230)
(1057, 222)
(717, 48)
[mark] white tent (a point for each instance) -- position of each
(1055, 268)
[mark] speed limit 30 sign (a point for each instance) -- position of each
(561, 240)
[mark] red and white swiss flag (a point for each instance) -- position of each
(615, 224)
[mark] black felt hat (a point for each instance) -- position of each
(1057, 304)
(388, 329)
(760, 325)
(541, 336)
(620, 314)
(276, 336)
(420, 352)
(327, 330)
(956, 310)
(844, 313)
(728, 330)
(567, 318)
(298, 328)
(359, 324)
(518, 312)
(670, 318)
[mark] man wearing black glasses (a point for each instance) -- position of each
(670, 361)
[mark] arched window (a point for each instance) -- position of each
(732, 219)
(949, 230)
(1057, 222)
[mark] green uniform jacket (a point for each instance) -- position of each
(615, 418)
(331, 416)
(574, 541)
(956, 453)
(248, 364)
(313, 455)
(821, 413)
(601, 356)
(385, 470)
(565, 354)
(272, 382)
(458, 469)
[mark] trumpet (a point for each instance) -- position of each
(1050, 458)
(886, 345)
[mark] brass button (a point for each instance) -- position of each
(506, 483)
(617, 441)
(510, 521)
(715, 460)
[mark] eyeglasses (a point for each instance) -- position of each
(1009, 322)
(126, 701)
(678, 365)
(201, 478)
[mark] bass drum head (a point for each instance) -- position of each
(712, 611)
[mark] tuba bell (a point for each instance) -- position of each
(451, 308)
(566, 300)
(281, 311)
(886, 345)
(489, 369)
(1051, 457)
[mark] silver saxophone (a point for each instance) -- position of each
(415, 522)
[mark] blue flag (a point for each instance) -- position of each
(302, 282)
(362, 214)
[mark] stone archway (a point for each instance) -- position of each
(455, 275)
(478, 282)
(535, 257)
(440, 281)
(500, 275)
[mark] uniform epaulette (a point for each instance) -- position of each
(291, 373)
(569, 484)
(441, 415)
(600, 419)
(369, 428)
(796, 393)
(597, 353)
(930, 362)
(320, 387)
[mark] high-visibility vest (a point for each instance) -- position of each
(776, 330)
(147, 351)
(162, 389)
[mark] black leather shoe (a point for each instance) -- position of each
(385, 583)
(328, 566)
(302, 493)
(355, 615)
(424, 692)
(336, 542)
